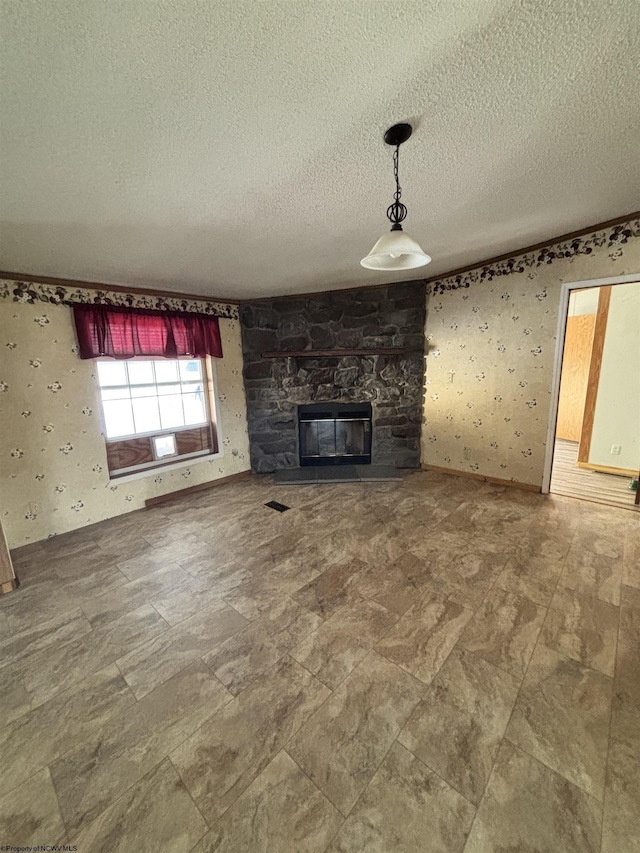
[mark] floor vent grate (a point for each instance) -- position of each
(279, 507)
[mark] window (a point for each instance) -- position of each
(164, 445)
(155, 411)
(144, 396)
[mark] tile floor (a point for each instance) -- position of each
(433, 664)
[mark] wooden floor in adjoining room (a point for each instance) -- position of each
(432, 664)
(571, 481)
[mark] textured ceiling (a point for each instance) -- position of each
(234, 148)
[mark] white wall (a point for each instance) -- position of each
(617, 414)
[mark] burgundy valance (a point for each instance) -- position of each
(126, 332)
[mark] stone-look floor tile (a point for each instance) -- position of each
(220, 760)
(344, 742)
(493, 524)
(600, 538)
(529, 809)
(531, 576)
(156, 814)
(335, 649)
(283, 544)
(332, 589)
(490, 524)
(223, 552)
(629, 596)
(294, 545)
(51, 632)
(375, 546)
(56, 669)
(90, 777)
(381, 578)
(111, 605)
(457, 728)
(621, 821)
(558, 510)
(29, 815)
(85, 560)
(15, 699)
(504, 631)
(29, 559)
(297, 570)
(5, 631)
(422, 639)
(257, 647)
(124, 540)
(562, 716)
(406, 808)
(625, 723)
(189, 523)
(30, 579)
(280, 811)
(398, 599)
(48, 731)
(153, 662)
(592, 574)
(548, 541)
(428, 533)
(202, 592)
(631, 559)
(209, 567)
(48, 599)
(412, 571)
(583, 628)
(263, 592)
(472, 574)
(85, 587)
(438, 551)
(629, 630)
(153, 559)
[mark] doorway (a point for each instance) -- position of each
(594, 432)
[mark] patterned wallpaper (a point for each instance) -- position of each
(33, 292)
(491, 336)
(53, 468)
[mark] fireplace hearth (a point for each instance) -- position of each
(335, 434)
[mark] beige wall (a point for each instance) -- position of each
(53, 468)
(617, 415)
(491, 335)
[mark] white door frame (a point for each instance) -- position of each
(565, 293)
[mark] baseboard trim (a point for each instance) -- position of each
(201, 487)
(496, 481)
(609, 469)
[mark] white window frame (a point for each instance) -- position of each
(209, 381)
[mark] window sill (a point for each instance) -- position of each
(157, 470)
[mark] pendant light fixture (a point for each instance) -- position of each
(396, 250)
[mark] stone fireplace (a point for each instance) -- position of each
(349, 347)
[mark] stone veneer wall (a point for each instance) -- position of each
(392, 316)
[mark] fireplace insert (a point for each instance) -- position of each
(335, 434)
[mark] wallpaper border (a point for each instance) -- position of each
(31, 293)
(612, 237)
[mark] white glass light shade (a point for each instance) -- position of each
(395, 251)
